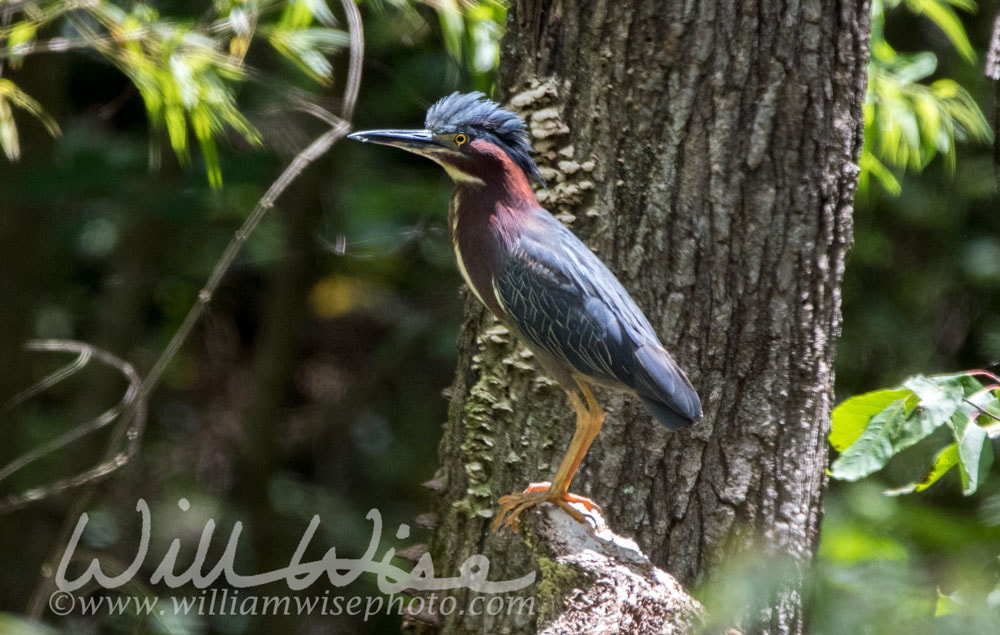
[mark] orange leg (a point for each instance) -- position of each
(589, 418)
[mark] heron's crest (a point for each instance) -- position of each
(478, 116)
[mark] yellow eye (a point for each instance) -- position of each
(461, 139)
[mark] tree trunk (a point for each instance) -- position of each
(707, 152)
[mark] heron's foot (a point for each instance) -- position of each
(512, 505)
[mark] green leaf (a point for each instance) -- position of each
(975, 452)
(184, 80)
(873, 448)
(986, 400)
(21, 37)
(925, 405)
(947, 20)
(9, 140)
(855, 543)
(913, 68)
(307, 48)
(907, 123)
(945, 459)
(940, 396)
(10, 95)
(299, 14)
(946, 605)
(852, 415)
(870, 165)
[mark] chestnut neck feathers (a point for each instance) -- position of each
(486, 215)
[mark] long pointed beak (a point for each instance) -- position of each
(418, 141)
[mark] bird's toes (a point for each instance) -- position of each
(512, 505)
(590, 505)
(513, 519)
(508, 500)
(541, 486)
(498, 522)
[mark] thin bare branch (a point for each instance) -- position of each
(131, 410)
(357, 55)
(982, 411)
(316, 149)
(294, 169)
(981, 372)
(971, 400)
(109, 415)
(49, 380)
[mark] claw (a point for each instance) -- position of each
(512, 505)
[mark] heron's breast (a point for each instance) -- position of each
(477, 251)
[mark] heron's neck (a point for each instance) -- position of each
(501, 189)
(491, 180)
(496, 206)
(486, 220)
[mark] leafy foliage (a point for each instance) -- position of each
(11, 95)
(908, 123)
(183, 80)
(470, 34)
(186, 71)
(870, 429)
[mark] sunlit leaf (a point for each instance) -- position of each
(185, 81)
(299, 14)
(21, 36)
(894, 420)
(975, 452)
(947, 20)
(940, 396)
(870, 165)
(945, 605)
(913, 68)
(873, 447)
(944, 460)
(11, 95)
(8, 131)
(907, 123)
(307, 48)
(851, 416)
(856, 544)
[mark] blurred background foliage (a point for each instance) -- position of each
(314, 384)
(907, 121)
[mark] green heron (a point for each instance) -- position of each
(542, 282)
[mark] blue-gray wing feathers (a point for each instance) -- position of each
(563, 300)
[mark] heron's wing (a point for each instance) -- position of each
(550, 311)
(564, 300)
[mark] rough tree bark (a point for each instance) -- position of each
(707, 151)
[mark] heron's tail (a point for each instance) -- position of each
(664, 389)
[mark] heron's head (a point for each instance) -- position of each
(473, 138)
